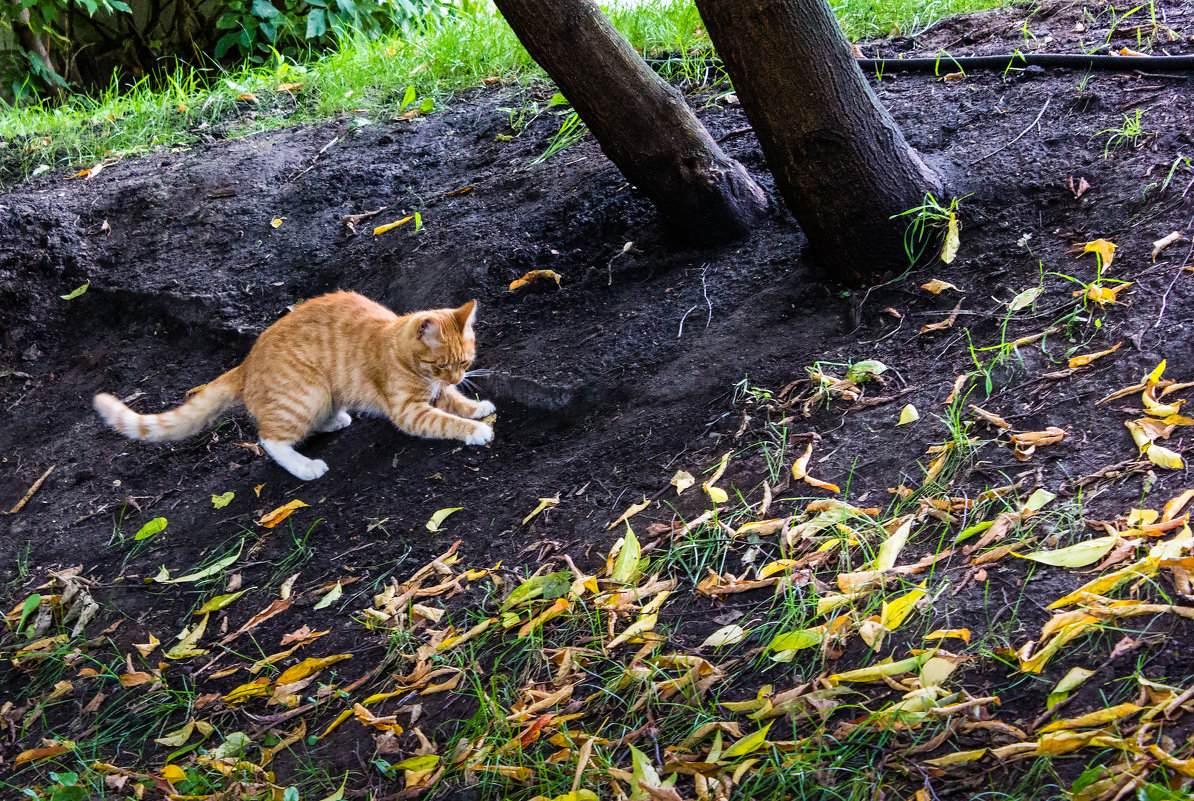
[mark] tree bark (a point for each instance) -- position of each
(838, 157)
(640, 121)
(32, 44)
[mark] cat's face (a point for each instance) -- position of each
(448, 346)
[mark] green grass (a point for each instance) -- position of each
(364, 78)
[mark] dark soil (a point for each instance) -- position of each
(604, 387)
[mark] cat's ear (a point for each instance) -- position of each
(466, 315)
(429, 332)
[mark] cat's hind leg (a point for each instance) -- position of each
(284, 421)
(341, 419)
(292, 461)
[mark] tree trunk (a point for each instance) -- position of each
(33, 45)
(641, 122)
(838, 157)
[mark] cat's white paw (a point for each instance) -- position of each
(484, 409)
(313, 469)
(339, 420)
(482, 435)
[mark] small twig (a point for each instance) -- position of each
(1176, 275)
(1017, 139)
(705, 292)
(36, 486)
(733, 133)
(680, 333)
(314, 159)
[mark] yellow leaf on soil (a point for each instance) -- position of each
(1068, 684)
(1145, 568)
(629, 513)
(34, 754)
(957, 758)
(544, 503)
(189, 639)
(748, 744)
(308, 666)
(440, 516)
(535, 275)
(952, 239)
(889, 551)
(877, 672)
(895, 612)
(941, 634)
(1080, 555)
(908, 415)
(682, 481)
(1163, 457)
(331, 597)
(1103, 249)
(281, 513)
(145, 649)
(381, 229)
(937, 286)
(173, 774)
(716, 494)
(1082, 361)
(726, 635)
(625, 565)
(1098, 718)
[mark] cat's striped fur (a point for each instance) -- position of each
(334, 353)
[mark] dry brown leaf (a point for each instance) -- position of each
(944, 324)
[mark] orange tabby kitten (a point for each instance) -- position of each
(334, 353)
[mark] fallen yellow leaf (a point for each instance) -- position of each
(629, 513)
(381, 229)
(535, 275)
(544, 503)
(1082, 361)
(440, 516)
(682, 481)
(1098, 718)
(1163, 457)
(1103, 249)
(949, 251)
(937, 286)
(281, 513)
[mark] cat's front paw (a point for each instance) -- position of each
(484, 409)
(482, 435)
(308, 471)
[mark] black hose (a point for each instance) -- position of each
(945, 63)
(1103, 62)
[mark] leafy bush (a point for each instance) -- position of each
(84, 43)
(254, 28)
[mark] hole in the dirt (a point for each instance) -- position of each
(558, 402)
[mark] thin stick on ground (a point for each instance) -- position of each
(1018, 136)
(36, 486)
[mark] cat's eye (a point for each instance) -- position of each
(443, 366)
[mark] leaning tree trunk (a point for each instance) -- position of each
(641, 122)
(838, 157)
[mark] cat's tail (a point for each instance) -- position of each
(185, 421)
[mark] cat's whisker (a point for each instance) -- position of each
(478, 373)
